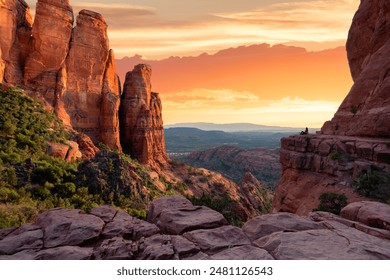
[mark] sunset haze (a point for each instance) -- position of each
(229, 61)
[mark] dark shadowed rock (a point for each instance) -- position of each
(27, 237)
(68, 227)
(247, 252)
(338, 244)
(214, 240)
(105, 212)
(115, 249)
(65, 253)
(129, 227)
(183, 247)
(371, 213)
(177, 215)
(158, 247)
(267, 224)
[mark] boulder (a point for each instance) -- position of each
(65, 253)
(115, 249)
(371, 213)
(27, 237)
(247, 252)
(325, 244)
(68, 227)
(267, 224)
(104, 212)
(129, 227)
(214, 240)
(182, 216)
(158, 247)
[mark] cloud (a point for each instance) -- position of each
(161, 32)
(226, 105)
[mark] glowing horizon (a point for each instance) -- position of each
(157, 30)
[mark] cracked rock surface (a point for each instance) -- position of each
(110, 234)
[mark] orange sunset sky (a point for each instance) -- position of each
(263, 84)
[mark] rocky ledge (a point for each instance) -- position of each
(178, 230)
(315, 164)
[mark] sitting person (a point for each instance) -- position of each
(305, 132)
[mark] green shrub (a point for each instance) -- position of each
(17, 215)
(373, 183)
(332, 202)
(8, 195)
(334, 155)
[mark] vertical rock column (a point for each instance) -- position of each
(142, 133)
(51, 33)
(92, 85)
(15, 32)
(109, 111)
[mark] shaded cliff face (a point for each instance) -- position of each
(356, 141)
(142, 132)
(366, 109)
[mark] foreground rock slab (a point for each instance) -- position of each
(111, 234)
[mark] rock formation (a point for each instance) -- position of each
(142, 132)
(366, 109)
(89, 66)
(357, 138)
(178, 230)
(15, 32)
(71, 69)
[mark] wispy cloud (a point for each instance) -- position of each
(151, 32)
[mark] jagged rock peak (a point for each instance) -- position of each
(366, 109)
(92, 14)
(142, 132)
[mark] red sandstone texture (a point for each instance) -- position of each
(175, 229)
(366, 109)
(69, 68)
(357, 138)
(142, 132)
(15, 32)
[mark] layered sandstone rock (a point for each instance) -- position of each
(2, 68)
(357, 138)
(85, 67)
(74, 70)
(316, 164)
(51, 33)
(15, 32)
(109, 111)
(142, 132)
(366, 109)
(109, 234)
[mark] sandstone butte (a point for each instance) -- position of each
(358, 137)
(70, 67)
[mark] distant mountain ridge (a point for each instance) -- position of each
(233, 127)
